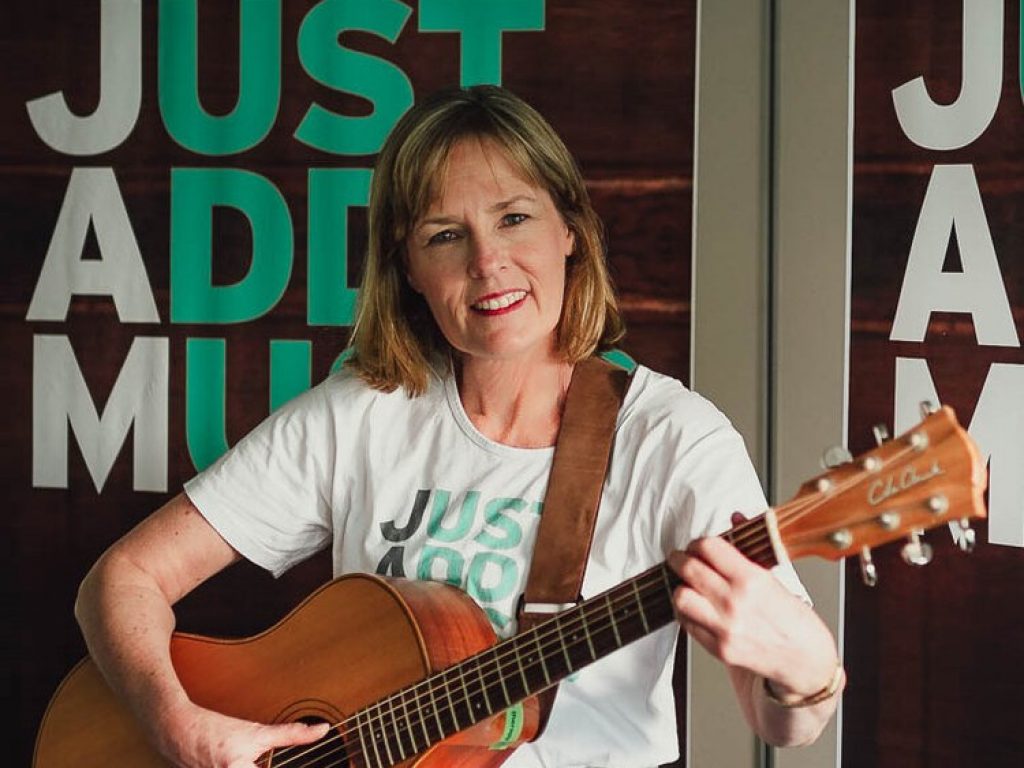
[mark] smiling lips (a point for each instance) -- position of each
(496, 304)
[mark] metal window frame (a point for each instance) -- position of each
(770, 293)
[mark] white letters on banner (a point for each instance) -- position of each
(951, 126)
(61, 400)
(953, 207)
(997, 424)
(93, 198)
(120, 89)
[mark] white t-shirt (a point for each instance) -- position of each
(409, 487)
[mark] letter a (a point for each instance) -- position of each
(93, 198)
(952, 204)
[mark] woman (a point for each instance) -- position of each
(428, 457)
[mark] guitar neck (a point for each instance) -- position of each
(512, 670)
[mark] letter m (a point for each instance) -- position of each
(60, 398)
(996, 426)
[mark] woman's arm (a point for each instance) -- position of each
(124, 609)
(747, 619)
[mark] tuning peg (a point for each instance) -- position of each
(835, 456)
(868, 572)
(881, 433)
(928, 408)
(915, 551)
(966, 538)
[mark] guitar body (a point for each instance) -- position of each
(353, 641)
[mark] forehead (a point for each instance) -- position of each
(479, 166)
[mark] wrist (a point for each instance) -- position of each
(793, 699)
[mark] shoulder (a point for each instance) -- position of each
(664, 405)
(344, 392)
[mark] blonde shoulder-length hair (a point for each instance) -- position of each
(395, 341)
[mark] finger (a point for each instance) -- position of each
(696, 573)
(707, 640)
(737, 518)
(696, 611)
(293, 734)
(724, 558)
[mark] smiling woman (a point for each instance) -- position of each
(489, 258)
(429, 456)
(476, 180)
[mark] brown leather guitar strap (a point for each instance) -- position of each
(566, 526)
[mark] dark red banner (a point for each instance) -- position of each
(938, 315)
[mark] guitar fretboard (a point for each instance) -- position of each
(409, 721)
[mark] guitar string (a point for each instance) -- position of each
(492, 670)
(792, 512)
(499, 663)
(750, 531)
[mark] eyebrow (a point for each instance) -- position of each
(496, 208)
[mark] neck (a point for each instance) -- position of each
(512, 403)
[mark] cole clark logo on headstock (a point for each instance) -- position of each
(885, 488)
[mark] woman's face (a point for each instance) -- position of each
(489, 257)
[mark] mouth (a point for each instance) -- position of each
(499, 303)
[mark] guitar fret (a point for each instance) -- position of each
(611, 616)
(362, 741)
(522, 672)
(432, 691)
(418, 709)
(667, 583)
(422, 714)
(373, 738)
(483, 689)
(501, 679)
(408, 730)
(586, 634)
(640, 604)
(396, 730)
(565, 650)
(467, 697)
(451, 704)
(384, 736)
(540, 656)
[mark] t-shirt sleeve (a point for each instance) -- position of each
(714, 479)
(269, 496)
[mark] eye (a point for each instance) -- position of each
(442, 237)
(512, 219)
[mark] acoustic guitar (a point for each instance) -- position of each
(409, 672)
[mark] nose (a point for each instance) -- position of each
(486, 256)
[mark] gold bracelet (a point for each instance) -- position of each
(815, 698)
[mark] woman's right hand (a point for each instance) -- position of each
(193, 737)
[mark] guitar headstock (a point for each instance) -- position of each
(931, 475)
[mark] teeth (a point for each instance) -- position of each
(501, 301)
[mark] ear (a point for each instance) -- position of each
(412, 281)
(408, 272)
(570, 241)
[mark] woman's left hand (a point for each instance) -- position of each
(766, 636)
(745, 617)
